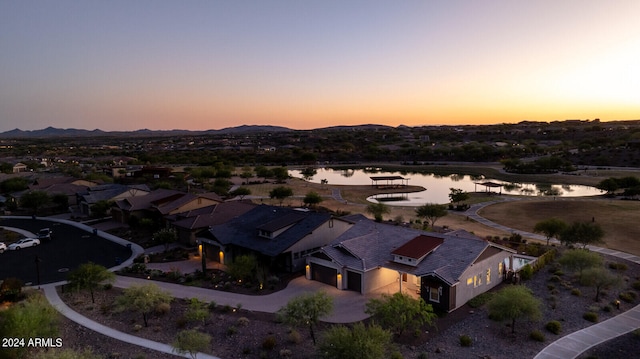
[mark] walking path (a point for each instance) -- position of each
(576, 343)
(52, 296)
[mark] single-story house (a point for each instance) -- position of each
(445, 269)
(279, 237)
(189, 225)
(108, 192)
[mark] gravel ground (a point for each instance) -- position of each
(490, 339)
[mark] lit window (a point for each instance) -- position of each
(469, 281)
(500, 268)
(488, 275)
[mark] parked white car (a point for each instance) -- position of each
(3, 247)
(24, 243)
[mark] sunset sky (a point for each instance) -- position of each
(127, 65)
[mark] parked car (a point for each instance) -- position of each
(24, 243)
(45, 234)
(3, 247)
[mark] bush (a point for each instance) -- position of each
(107, 286)
(628, 297)
(618, 266)
(480, 299)
(269, 343)
(163, 308)
(423, 355)
(591, 316)
(526, 272)
(231, 331)
(294, 337)
(576, 292)
(554, 327)
(465, 341)
(396, 355)
(555, 278)
(537, 336)
(212, 305)
(636, 285)
(242, 322)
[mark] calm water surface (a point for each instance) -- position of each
(437, 187)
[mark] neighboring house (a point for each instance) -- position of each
(108, 192)
(20, 167)
(445, 269)
(160, 203)
(278, 236)
(189, 225)
(68, 186)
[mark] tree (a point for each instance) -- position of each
(512, 303)
(307, 309)
(61, 201)
(280, 193)
(551, 227)
(14, 184)
(580, 259)
(378, 210)
(358, 342)
(242, 267)
(67, 353)
(281, 174)
(610, 185)
(457, 195)
(197, 311)
(308, 173)
(400, 311)
(35, 200)
(599, 278)
(165, 236)
(241, 192)
(143, 299)
(262, 171)
(89, 276)
(431, 212)
(31, 318)
(101, 208)
(191, 341)
(584, 233)
(312, 199)
(246, 173)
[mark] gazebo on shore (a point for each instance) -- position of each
(389, 181)
(488, 185)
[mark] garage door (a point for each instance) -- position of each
(354, 281)
(324, 274)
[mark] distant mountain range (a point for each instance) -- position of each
(52, 132)
(73, 132)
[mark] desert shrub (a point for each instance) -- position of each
(554, 278)
(212, 305)
(465, 341)
(423, 355)
(480, 299)
(636, 285)
(551, 287)
(232, 330)
(537, 336)
(590, 316)
(607, 309)
(576, 292)
(554, 327)
(618, 266)
(526, 272)
(558, 273)
(294, 337)
(285, 353)
(396, 355)
(138, 268)
(269, 343)
(242, 321)
(163, 308)
(628, 297)
(107, 286)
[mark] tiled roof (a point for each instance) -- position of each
(213, 215)
(243, 230)
(368, 245)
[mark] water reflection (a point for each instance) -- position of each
(438, 186)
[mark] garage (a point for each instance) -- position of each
(324, 274)
(354, 281)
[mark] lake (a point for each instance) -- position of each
(437, 186)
